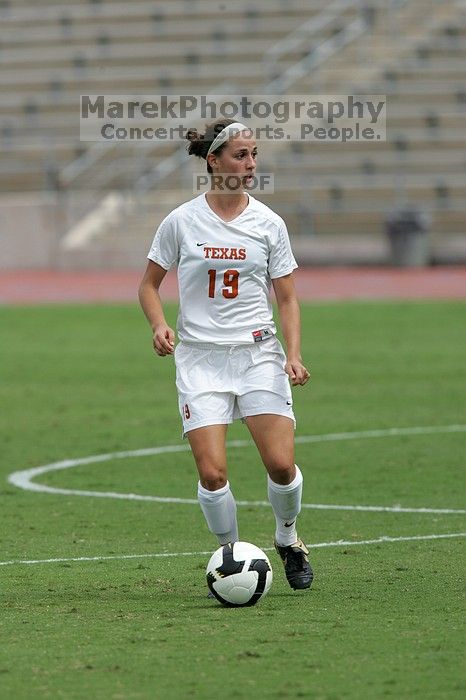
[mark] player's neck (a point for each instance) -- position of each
(227, 204)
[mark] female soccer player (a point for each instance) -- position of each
(230, 248)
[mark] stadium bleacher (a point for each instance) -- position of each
(54, 51)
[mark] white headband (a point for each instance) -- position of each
(224, 135)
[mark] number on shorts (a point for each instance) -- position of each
(186, 411)
(230, 280)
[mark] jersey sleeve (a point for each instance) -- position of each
(165, 247)
(281, 258)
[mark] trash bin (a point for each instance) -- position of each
(408, 233)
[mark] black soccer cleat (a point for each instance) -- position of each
(298, 571)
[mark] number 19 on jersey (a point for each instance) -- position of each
(230, 282)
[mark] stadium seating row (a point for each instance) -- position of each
(53, 53)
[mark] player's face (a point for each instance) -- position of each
(239, 157)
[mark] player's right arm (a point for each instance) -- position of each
(163, 336)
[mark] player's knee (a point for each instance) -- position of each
(213, 483)
(213, 479)
(281, 472)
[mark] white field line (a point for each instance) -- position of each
(159, 555)
(23, 479)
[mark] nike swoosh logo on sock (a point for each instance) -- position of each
(289, 524)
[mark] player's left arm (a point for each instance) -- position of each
(290, 321)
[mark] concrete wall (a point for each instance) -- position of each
(30, 225)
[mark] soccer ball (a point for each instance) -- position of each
(239, 574)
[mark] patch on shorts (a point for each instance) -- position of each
(261, 335)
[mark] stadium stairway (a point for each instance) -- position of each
(336, 201)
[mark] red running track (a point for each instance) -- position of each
(313, 284)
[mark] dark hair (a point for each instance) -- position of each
(199, 144)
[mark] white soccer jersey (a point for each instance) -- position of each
(224, 269)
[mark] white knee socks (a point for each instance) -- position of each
(219, 510)
(286, 503)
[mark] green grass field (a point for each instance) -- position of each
(381, 620)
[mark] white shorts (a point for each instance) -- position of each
(218, 384)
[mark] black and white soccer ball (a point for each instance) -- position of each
(239, 574)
